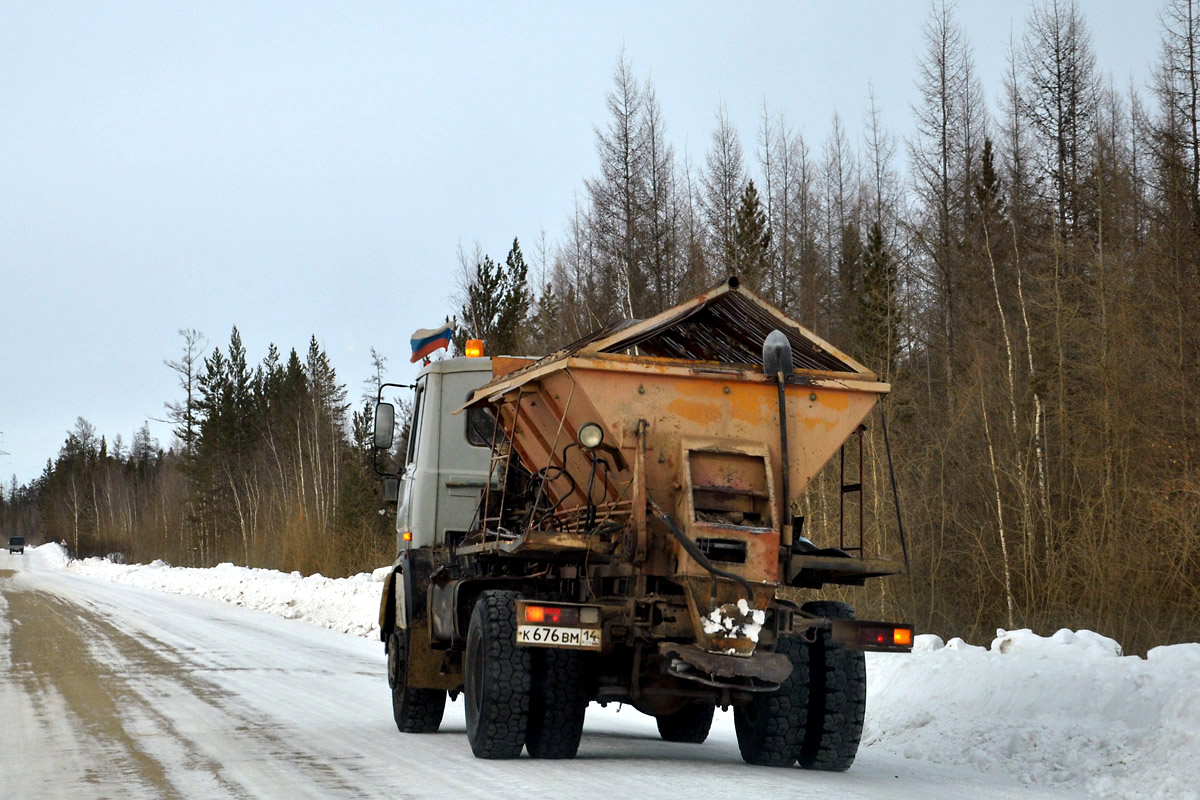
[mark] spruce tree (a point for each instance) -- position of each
(988, 191)
(212, 410)
(877, 313)
(514, 303)
(481, 305)
(185, 414)
(497, 304)
(545, 322)
(751, 244)
(238, 400)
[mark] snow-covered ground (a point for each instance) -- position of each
(1063, 711)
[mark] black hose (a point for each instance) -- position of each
(591, 505)
(694, 551)
(543, 475)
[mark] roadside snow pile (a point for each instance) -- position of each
(55, 555)
(348, 605)
(1064, 710)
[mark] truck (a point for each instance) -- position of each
(617, 522)
(16, 544)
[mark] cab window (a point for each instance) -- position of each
(415, 428)
(481, 427)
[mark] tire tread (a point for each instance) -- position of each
(770, 728)
(415, 710)
(501, 723)
(838, 697)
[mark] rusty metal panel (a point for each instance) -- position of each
(502, 365)
(728, 495)
(772, 668)
(730, 488)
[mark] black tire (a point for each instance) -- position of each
(558, 701)
(837, 698)
(496, 680)
(688, 725)
(771, 726)
(415, 710)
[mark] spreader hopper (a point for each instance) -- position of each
(652, 441)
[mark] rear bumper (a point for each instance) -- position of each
(760, 672)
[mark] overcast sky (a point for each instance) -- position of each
(300, 168)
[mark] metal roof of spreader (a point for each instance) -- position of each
(726, 324)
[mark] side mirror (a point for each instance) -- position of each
(385, 424)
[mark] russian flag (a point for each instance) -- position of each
(426, 340)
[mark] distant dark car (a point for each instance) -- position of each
(16, 544)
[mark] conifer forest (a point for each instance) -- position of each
(1023, 269)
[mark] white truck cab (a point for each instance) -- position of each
(448, 457)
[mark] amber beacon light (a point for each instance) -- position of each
(473, 348)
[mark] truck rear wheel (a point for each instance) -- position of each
(689, 725)
(771, 727)
(496, 680)
(558, 702)
(415, 710)
(837, 698)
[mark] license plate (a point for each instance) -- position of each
(554, 636)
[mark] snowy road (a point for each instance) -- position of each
(108, 691)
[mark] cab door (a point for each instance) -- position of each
(408, 475)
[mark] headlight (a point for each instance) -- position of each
(590, 435)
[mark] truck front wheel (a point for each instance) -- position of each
(415, 710)
(497, 679)
(838, 697)
(770, 727)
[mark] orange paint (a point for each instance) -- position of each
(696, 411)
(751, 405)
(837, 401)
(812, 423)
(696, 387)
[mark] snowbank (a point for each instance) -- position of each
(1067, 709)
(1063, 710)
(347, 605)
(53, 554)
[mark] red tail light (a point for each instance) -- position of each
(885, 637)
(551, 614)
